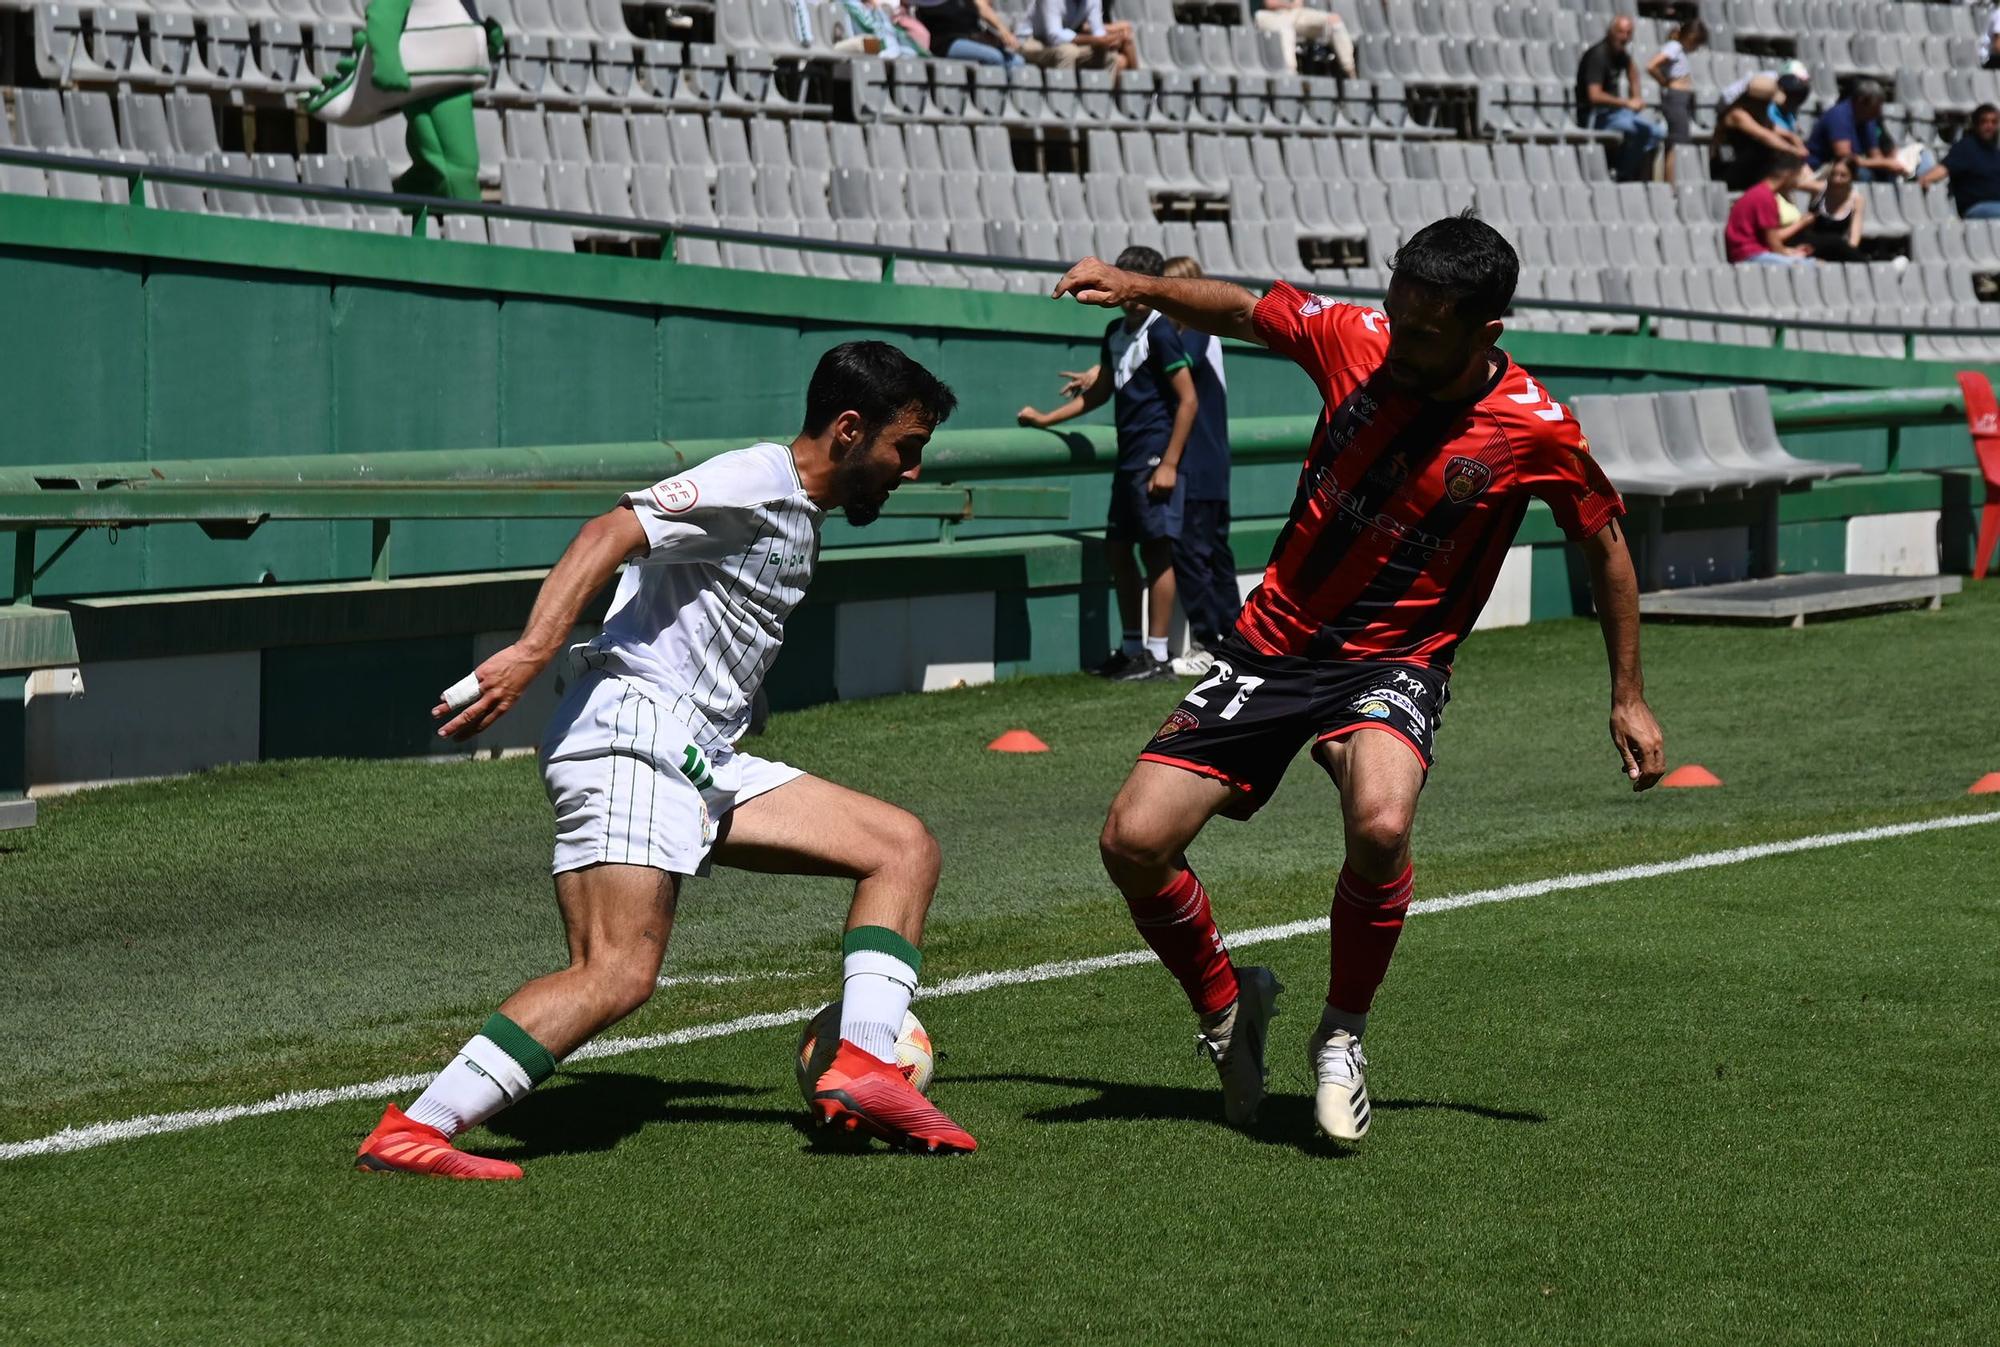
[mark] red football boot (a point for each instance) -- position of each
(398, 1145)
(861, 1092)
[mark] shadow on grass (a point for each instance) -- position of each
(595, 1111)
(1285, 1119)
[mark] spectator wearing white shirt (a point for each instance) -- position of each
(1295, 23)
(1072, 33)
(1675, 73)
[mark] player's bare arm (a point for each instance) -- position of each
(1614, 587)
(1094, 392)
(587, 565)
(1161, 485)
(1214, 307)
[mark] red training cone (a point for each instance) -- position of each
(1018, 741)
(1986, 785)
(1694, 774)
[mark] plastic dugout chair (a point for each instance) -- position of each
(890, 189)
(1982, 414)
(1686, 444)
(1599, 416)
(1646, 450)
(1757, 429)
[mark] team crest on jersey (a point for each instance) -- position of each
(1181, 719)
(1316, 304)
(1465, 478)
(677, 496)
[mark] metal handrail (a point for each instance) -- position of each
(423, 208)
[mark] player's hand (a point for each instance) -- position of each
(1161, 485)
(1094, 282)
(1030, 418)
(503, 678)
(1075, 381)
(1642, 748)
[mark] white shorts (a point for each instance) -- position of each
(631, 784)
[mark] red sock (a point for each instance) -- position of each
(1178, 925)
(1366, 920)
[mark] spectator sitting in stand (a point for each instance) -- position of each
(1837, 216)
(969, 30)
(1296, 22)
(1676, 76)
(1745, 141)
(1974, 167)
(872, 30)
(1072, 33)
(1603, 78)
(1756, 231)
(1852, 129)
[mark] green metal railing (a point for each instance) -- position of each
(237, 509)
(423, 210)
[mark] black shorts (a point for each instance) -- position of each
(1247, 720)
(1135, 517)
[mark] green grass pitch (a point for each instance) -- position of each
(1752, 1103)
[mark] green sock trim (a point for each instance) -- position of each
(882, 940)
(513, 1040)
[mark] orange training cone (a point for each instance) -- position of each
(1986, 785)
(1018, 741)
(1694, 774)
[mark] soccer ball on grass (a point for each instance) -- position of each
(821, 1040)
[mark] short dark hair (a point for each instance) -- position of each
(1146, 261)
(1866, 91)
(1782, 162)
(1982, 110)
(1465, 258)
(1692, 31)
(876, 380)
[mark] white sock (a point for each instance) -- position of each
(474, 1086)
(1132, 645)
(874, 996)
(1156, 646)
(1331, 1019)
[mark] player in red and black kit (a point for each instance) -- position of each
(1432, 444)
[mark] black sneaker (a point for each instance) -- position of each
(1145, 669)
(1115, 666)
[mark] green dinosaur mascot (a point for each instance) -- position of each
(424, 59)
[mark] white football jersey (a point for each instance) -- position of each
(697, 622)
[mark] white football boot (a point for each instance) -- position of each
(1340, 1105)
(1234, 1040)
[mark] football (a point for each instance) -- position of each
(821, 1040)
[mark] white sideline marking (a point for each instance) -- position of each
(159, 1124)
(725, 979)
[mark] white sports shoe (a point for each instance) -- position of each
(1340, 1105)
(1194, 663)
(1234, 1040)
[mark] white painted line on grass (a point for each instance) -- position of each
(726, 979)
(159, 1124)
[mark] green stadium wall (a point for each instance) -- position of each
(152, 335)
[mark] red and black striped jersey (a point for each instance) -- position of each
(1406, 506)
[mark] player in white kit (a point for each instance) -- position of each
(641, 765)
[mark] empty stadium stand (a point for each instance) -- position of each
(739, 115)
